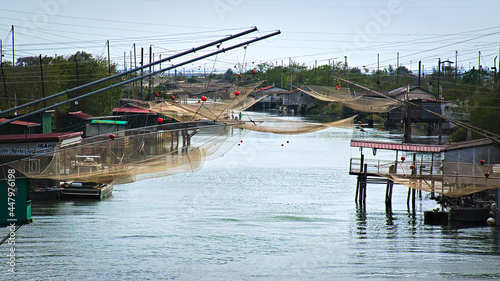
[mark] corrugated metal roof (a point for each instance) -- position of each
(131, 110)
(467, 144)
(81, 115)
(398, 146)
(38, 137)
(21, 123)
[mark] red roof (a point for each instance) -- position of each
(38, 137)
(21, 123)
(131, 110)
(398, 146)
(80, 114)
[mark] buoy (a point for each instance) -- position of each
(238, 144)
(287, 141)
(254, 71)
(359, 122)
(160, 120)
(156, 94)
(241, 140)
(486, 174)
(239, 75)
(172, 97)
(490, 221)
(412, 167)
(236, 93)
(340, 85)
(111, 136)
(363, 125)
(281, 144)
(403, 158)
(203, 98)
(482, 162)
(337, 87)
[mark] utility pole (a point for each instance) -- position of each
(397, 69)
(419, 71)
(378, 70)
(150, 77)
(142, 63)
(456, 67)
(346, 73)
(41, 76)
(1, 52)
(109, 59)
(13, 57)
(281, 74)
(479, 68)
(125, 61)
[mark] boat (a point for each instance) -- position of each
(45, 193)
(89, 190)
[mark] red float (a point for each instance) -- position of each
(156, 94)
(239, 75)
(160, 120)
(241, 140)
(403, 158)
(203, 98)
(363, 125)
(236, 93)
(359, 122)
(482, 162)
(172, 97)
(412, 167)
(111, 136)
(254, 71)
(486, 174)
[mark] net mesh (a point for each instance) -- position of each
(133, 155)
(452, 179)
(360, 103)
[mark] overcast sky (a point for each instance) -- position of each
(315, 30)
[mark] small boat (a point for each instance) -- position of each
(45, 193)
(90, 190)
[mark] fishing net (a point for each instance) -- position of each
(450, 179)
(133, 154)
(217, 106)
(359, 103)
(286, 126)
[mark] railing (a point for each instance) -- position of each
(424, 168)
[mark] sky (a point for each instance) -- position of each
(313, 32)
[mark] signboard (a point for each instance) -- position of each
(27, 149)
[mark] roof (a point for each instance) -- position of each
(131, 110)
(20, 123)
(415, 93)
(398, 146)
(81, 115)
(38, 137)
(467, 144)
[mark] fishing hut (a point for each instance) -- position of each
(384, 171)
(467, 189)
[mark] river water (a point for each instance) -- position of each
(261, 211)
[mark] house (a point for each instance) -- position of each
(74, 121)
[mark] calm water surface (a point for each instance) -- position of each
(262, 211)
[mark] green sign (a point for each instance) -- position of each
(15, 200)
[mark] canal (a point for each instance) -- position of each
(261, 211)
